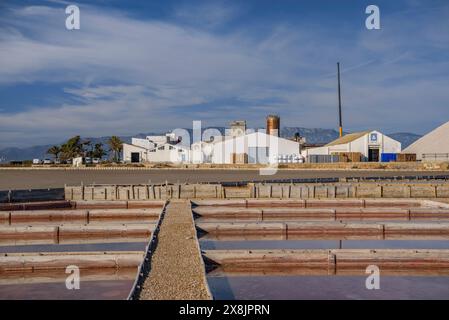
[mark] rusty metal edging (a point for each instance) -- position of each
(145, 267)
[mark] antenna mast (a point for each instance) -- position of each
(339, 101)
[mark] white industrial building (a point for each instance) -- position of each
(237, 146)
(433, 146)
(371, 144)
(255, 147)
(240, 146)
(156, 149)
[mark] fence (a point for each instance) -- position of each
(435, 156)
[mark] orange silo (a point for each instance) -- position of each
(273, 124)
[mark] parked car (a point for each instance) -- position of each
(96, 160)
(88, 160)
(37, 161)
(48, 161)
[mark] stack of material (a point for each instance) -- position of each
(349, 156)
(406, 157)
(239, 158)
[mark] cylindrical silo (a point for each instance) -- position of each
(273, 125)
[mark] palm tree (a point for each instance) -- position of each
(55, 150)
(72, 148)
(98, 151)
(115, 145)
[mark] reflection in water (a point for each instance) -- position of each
(103, 290)
(59, 275)
(95, 284)
(327, 287)
(325, 244)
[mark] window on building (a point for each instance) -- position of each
(171, 148)
(161, 148)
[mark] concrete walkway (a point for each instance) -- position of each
(177, 272)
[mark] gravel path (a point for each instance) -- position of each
(177, 272)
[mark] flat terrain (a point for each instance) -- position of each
(50, 178)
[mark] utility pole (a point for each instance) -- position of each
(339, 101)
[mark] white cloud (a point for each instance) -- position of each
(128, 75)
(211, 14)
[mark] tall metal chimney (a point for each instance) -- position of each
(339, 101)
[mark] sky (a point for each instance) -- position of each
(151, 66)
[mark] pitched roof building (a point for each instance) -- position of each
(371, 144)
(433, 146)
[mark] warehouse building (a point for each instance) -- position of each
(434, 146)
(237, 146)
(371, 145)
(240, 146)
(255, 148)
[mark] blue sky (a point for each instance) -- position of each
(149, 66)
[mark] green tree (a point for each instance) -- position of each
(297, 136)
(87, 149)
(115, 146)
(98, 151)
(72, 148)
(55, 151)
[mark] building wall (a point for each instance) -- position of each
(144, 143)
(223, 151)
(201, 152)
(128, 149)
(390, 145)
(434, 145)
(169, 153)
(165, 155)
(157, 139)
(362, 145)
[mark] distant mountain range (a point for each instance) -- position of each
(312, 135)
(323, 136)
(405, 138)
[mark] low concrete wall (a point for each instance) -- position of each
(324, 230)
(15, 235)
(259, 191)
(56, 217)
(219, 214)
(32, 262)
(327, 262)
(60, 204)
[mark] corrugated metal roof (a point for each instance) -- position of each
(347, 138)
